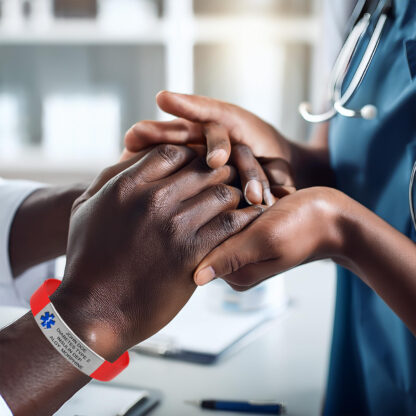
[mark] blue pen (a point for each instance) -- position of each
(266, 408)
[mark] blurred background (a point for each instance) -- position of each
(76, 74)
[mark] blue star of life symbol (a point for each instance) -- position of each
(47, 320)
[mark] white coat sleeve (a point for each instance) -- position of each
(4, 409)
(16, 292)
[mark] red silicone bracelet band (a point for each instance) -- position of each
(107, 371)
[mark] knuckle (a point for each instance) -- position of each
(168, 152)
(233, 263)
(140, 127)
(252, 173)
(223, 193)
(121, 185)
(129, 136)
(209, 126)
(200, 113)
(230, 222)
(177, 223)
(134, 132)
(176, 231)
(242, 149)
(157, 196)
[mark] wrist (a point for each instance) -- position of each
(92, 323)
(28, 361)
(342, 228)
(328, 231)
(61, 200)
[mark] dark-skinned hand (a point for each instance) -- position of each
(136, 236)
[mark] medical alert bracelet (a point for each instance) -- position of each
(66, 342)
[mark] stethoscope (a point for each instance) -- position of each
(360, 23)
(337, 98)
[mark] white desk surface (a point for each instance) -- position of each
(287, 363)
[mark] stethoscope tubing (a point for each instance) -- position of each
(337, 74)
(338, 99)
(342, 99)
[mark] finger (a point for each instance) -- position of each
(235, 253)
(218, 144)
(149, 133)
(180, 131)
(161, 162)
(126, 155)
(278, 171)
(197, 177)
(202, 208)
(199, 149)
(109, 173)
(254, 181)
(226, 224)
(282, 191)
(252, 274)
(195, 108)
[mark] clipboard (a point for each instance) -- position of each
(110, 399)
(205, 331)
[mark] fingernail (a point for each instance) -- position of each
(204, 276)
(253, 193)
(219, 156)
(269, 198)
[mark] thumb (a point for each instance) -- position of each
(236, 252)
(194, 108)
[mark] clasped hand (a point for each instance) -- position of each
(139, 232)
(299, 227)
(136, 236)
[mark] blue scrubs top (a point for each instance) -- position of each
(373, 362)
